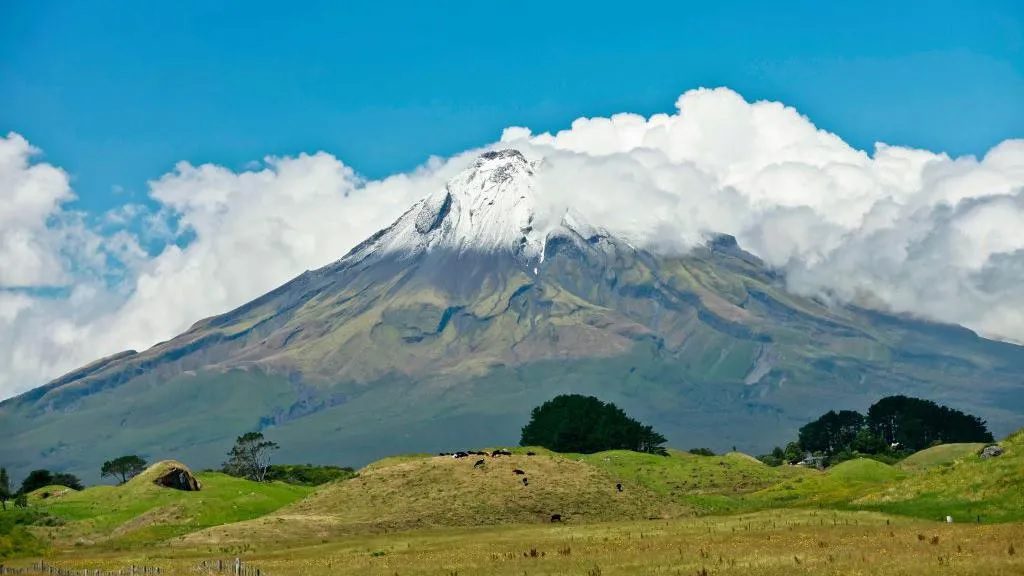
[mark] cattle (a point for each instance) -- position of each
(556, 517)
(500, 452)
(531, 453)
(518, 472)
(619, 486)
(444, 453)
(478, 464)
(460, 455)
(526, 481)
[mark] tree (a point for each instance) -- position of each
(5, 488)
(69, 480)
(832, 432)
(793, 454)
(867, 442)
(38, 478)
(916, 424)
(576, 423)
(21, 501)
(250, 456)
(774, 458)
(125, 467)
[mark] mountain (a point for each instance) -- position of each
(443, 330)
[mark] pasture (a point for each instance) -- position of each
(620, 513)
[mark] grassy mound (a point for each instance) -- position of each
(937, 456)
(836, 486)
(47, 492)
(141, 512)
(707, 483)
(440, 491)
(968, 488)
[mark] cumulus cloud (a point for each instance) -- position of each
(903, 229)
(227, 236)
(908, 230)
(30, 195)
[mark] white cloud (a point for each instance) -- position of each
(907, 229)
(917, 231)
(30, 194)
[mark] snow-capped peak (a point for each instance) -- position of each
(488, 207)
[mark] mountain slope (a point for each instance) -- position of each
(445, 328)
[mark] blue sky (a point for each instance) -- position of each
(117, 92)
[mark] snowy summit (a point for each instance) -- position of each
(488, 207)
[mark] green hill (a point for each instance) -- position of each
(706, 483)
(409, 492)
(141, 512)
(937, 456)
(440, 491)
(836, 486)
(968, 487)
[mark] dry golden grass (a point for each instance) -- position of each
(767, 543)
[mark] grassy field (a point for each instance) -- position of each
(676, 514)
(769, 543)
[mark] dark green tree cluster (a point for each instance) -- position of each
(124, 467)
(584, 424)
(895, 426)
(38, 478)
(916, 424)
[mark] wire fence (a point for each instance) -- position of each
(233, 566)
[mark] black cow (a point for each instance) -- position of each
(531, 453)
(556, 517)
(478, 464)
(460, 455)
(518, 472)
(619, 486)
(526, 481)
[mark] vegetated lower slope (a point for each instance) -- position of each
(422, 491)
(419, 346)
(409, 492)
(969, 488)
(140, 513)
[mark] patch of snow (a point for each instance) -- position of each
(489, 207)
